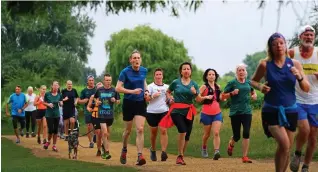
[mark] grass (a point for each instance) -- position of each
(260, 146)
(23, 160)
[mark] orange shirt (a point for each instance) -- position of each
(40, 105)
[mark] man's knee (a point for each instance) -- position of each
(127, 132)
(140, 130)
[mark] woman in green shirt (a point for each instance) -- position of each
(52, 100)
(240, 91)
(182, 110)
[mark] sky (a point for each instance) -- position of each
(219, 35)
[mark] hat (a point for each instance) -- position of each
(90, 76)
(306, 28)
(275, 36)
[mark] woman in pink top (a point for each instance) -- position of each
(211, 116)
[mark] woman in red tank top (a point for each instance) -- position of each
(211, 116)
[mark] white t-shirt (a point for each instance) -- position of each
(30, 101)
(310, 66)
(158, 104)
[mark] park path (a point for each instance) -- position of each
(193, 164)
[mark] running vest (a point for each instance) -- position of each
(211, 92)
(282, 83)
(310, 66)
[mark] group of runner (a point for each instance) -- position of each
(291, 100)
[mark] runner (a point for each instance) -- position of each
(156, 110)
(30, 112)
(211, 115)
(40, 114)
(85, 95)
(279, 112)
(18, 104)
(182, 110)
(105, 98)
(307, 103)
(132, 82)
(52, 100)
(70, 98)
(240, 92)
(93, 108)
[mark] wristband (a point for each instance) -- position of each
(301, 79)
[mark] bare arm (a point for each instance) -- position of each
(145, 85)
(89, 105)
(120, 89)
(202, 89)
(258, 75)
(76, 101)
(7, 110)
(36, 100)
(302, 79)
(82, 101)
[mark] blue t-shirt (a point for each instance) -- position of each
(17, 102)
(133, 79)
(105, 110)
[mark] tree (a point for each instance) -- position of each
(252, 61)
(43, 46)
(112, 7)
(157, 50)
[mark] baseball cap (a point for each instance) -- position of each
(306, 28)
(90, 76)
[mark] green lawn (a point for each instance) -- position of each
(260, 145)
(15, 158)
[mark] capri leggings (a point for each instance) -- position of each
(236, 122)
(53, 124)
(183, 124)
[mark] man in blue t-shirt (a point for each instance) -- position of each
(132, 82)
(18, 104)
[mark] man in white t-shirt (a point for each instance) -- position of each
(156, 110)
(307, 103)
(30, 112)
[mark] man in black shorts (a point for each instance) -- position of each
(70, 98)
(105, 97)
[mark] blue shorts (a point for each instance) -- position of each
(209, 119)
(309, 112)
(88, 119)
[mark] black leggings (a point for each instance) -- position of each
(30, 116)
(53, 124)
(236, 121)
(183, 124)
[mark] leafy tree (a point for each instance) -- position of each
(111, 7)
(44, 45)
(157, 50)
(252, 61)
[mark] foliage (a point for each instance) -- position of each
(45, 45)
(252, 62)
(111, 7)
(157, 51)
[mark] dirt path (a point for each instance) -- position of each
(193, 164)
